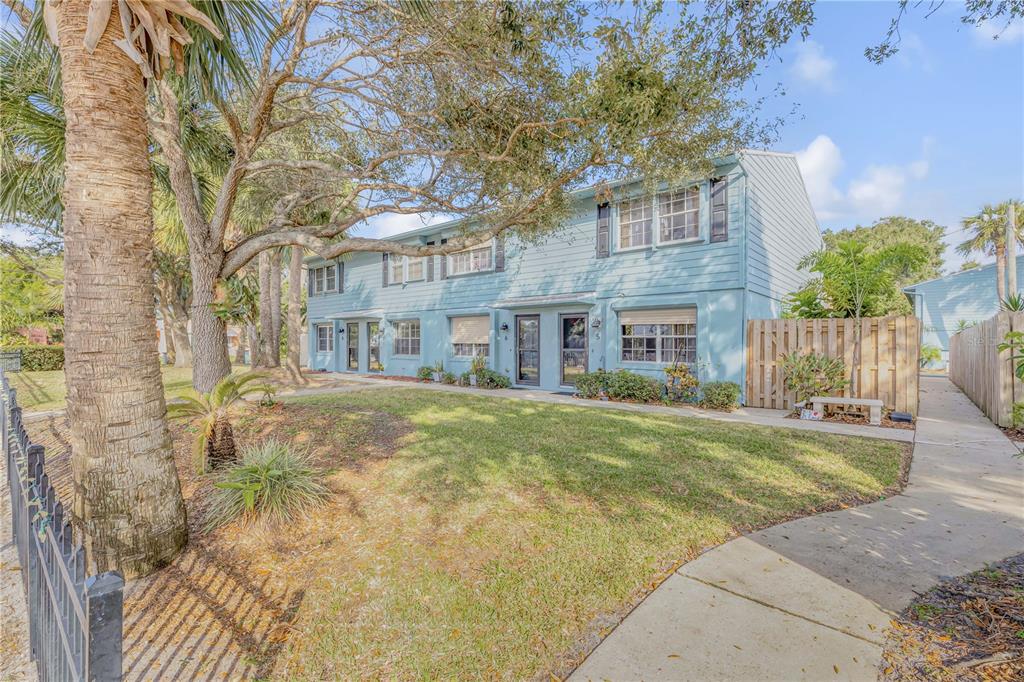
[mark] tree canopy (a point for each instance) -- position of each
(855, 279)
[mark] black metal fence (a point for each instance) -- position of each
(75, 622)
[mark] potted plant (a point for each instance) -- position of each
(477, 367)
(438, 372)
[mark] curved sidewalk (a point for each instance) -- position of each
(810, 599)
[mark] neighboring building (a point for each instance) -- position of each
(942, 303)
(636, 284)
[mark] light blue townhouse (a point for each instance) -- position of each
(944, 303)
(638, 282)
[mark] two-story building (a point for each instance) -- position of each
(637, 283)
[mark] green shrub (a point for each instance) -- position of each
(36, 358)
(488, 378)
(591, 384)
(425, 373)
(811, 375)
(272, 483)
(449, 378)
(680, 383)
(720, 395)
(625, 385)
(929, 354)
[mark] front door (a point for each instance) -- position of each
(353, 345)
(373, 334)
(528, 349)
(574, 347)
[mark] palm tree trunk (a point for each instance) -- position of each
(127, 498)
(295, 284)
(220, 449)
(1001, 271)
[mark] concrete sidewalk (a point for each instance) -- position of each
(810, 599)
(743, 415)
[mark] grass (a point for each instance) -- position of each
(497, 533)
(42, 391)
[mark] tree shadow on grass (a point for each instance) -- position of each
(623, 464)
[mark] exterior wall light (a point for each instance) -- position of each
(504, 326)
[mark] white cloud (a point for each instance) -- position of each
(813, 67)
(877, 190)
(994, 33)
(820, 164)
(390, 224)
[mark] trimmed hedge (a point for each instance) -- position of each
(35, 358)
(619, 385)
(720, 395)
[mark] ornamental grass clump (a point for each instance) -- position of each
(273, 483)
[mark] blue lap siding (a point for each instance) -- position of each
(726, 282)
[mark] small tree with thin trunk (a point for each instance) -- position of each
(856, 282)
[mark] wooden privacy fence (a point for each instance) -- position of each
(888, 368)
(984, 373)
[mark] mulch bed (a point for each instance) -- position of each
(1015, 435)
(859, 420)
(966, 628)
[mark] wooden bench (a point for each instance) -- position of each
(874, 406)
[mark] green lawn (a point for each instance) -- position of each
(39, 391)
(493, 532)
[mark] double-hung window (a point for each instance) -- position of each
(664, 336)
(679, 215)
(636, 216)
(407, 337)
(325, 338)
(471, 336)
(325, 279)
(476, 259)
(404, 269)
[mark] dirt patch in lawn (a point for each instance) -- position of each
(225, 607)
(966, 628)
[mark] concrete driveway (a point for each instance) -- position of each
(810, 599)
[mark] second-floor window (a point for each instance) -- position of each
(636, 216)
(679, 215)
(407, 337)
(325, 280)
(405, 269)
(477, 259)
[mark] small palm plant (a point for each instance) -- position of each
(1013, 303)
(215, 444)
(273, 483)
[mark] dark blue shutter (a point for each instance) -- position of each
(340, 274)
(384, 278)
(310, 273)
(444, 263)
(719, 210)
(604, 212)
(430, 265)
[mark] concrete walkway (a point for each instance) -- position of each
(743, 415)
(810, 599)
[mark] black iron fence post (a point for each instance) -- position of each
(104, 606)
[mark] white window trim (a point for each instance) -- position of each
(448, 260)
(330, 337)
(320, 279)
(405, 269)
(659, 362)
(395, 338)
(656, 241)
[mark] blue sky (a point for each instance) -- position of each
(935, 132)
